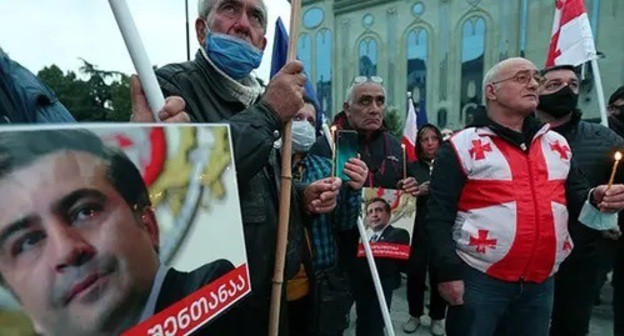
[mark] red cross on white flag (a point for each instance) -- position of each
(572, 41)
(563, 150)
(482, 242)
(478, 150)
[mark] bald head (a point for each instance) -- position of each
(494, 74)
(510, 87)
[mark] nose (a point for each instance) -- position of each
(69, 247)
(533, 83)
(376, 107)
(243, 24)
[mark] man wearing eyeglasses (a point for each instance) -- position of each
(593, 146)
(497, 212)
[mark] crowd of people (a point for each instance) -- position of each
(514, 211)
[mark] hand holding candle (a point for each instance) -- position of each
(333, 149)
(618, 157)
(404, 162)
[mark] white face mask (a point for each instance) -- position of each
(303, 136)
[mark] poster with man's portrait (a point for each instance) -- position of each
(127, 225)
(388, 216)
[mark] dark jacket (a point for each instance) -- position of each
(381, 151)
(178, 285)
(617, 125)
(593, 146)
(448, 181)
(25, 99)
(254, 130)
(383, 155)
(419, 237)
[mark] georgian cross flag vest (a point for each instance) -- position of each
(512, 220)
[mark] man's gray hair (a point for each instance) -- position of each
(349, 93)
(493, 74)
(205, 8)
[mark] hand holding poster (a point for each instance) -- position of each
(389, 218)
(119, 230)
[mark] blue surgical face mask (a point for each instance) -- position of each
(236, 57)
(303, 136)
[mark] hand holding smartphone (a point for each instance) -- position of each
(346, 148)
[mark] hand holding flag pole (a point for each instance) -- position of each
(285, 189)
(141, 61)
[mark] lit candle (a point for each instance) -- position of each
(404, 162)
(333, 149)
(618, 157)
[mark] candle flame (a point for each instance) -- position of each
(403, 146)
(334, 128)
(618, 156)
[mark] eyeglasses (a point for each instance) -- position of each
(364, 79)
(524, 77)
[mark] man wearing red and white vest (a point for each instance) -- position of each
(498, 210)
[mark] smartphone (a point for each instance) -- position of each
(346, 148)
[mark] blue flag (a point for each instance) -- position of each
(278, 60)
(421, 114)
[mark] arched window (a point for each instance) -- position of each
(368, 57)
(417, 53)
(324, 70)
(472, 63)
(304, 52)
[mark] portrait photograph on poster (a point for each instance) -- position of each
(388, 216)
(119, 225)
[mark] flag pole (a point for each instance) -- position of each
(188, 37)
(285, 189)
(139, 57)
(385, 312)
(600, 92)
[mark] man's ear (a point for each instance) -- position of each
(200, 31)
(346, 108)
(264, 43)
(490, 93)
(149, 222)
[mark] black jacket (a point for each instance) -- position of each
(178, 285)
(593, 146)
(447, 183)
(254, 130)
(382, 153)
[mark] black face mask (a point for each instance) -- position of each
(621, 114)
(560, 103)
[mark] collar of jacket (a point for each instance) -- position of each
(246, 91)
(570, 125)
(530, 128)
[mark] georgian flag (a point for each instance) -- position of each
(571, 40)
(410, 130)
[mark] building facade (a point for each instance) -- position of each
(440, 49)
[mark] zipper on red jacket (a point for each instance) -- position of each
(536, 226)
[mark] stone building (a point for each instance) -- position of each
(440, 49)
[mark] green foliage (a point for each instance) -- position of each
(100, 96)
(394, 121)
